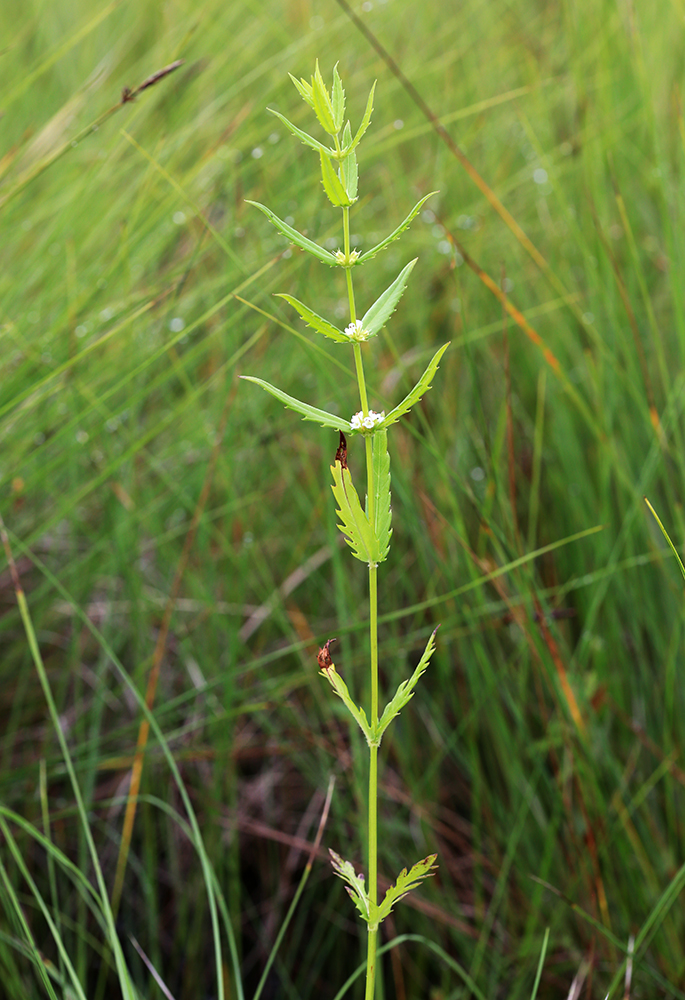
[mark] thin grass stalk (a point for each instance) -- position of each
(213, 893)
(120, 963)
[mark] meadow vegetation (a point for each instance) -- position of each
(174, 533)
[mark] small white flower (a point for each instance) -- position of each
(355, 331)
(359, 422)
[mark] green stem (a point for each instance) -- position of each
(348, 270)
(371, 966)
(373, 640)
(373, 772)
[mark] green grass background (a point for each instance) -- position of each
(121, 340)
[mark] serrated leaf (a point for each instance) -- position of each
(397, 232)
(322, 103)
(355, 526)
(338, 99)
(304, 137)
(307, 412)
(354, 883)
(381, 492)
(380, 312)
(315, 321)
(406, 881)
(349, 171)
(340, 688)
(332, 185)
(297, 238)
(304, 89)
(366, 121)
(404, 693)
(421, 387)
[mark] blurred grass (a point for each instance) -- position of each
(122, 337)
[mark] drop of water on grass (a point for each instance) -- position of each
(367, 6)
(176, 324)
(82, 436)
(179, 218)
(81, 330)
(257, 153)
(274, 138)
(540, 176)
(106, 314)
(398, 124)
(477, 474)
(444, 246)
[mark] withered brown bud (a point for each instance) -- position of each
(341, 454)
(324, 657)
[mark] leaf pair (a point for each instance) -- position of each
(405, 692)
(332, 420)
(406, 881)
(373, 320)
(325, 256)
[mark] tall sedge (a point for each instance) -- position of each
(367, 530)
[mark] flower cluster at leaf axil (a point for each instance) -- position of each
(362, 423)
(366, 527)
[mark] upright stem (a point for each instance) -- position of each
(373, 639)
(373, 779)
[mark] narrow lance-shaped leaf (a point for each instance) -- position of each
(406, 881)
(355, 526)
(340, 688)
(297, 238)
(337, 100)
(315, 321)
(421, 387)
(349, 172)
(304, 137)
(366, 121)
(322, 103)
(380, 312)
(332, 185)
(305, 90)
(404, 693)
(307, 412)
(397, 232)
(381, 491)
